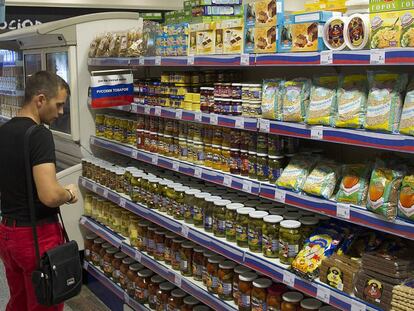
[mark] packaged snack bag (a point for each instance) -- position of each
(406, 198)
(294, 175)
(407, 115)
(354, 184)
(295, 97)
(322, 180)
(271, 99)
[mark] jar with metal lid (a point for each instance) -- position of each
(87, 205)
(244, 163)
(142, 235)
(197, 263)
(291, 216)
(275, 167)
(274, 296)
(117, 263)
(225, 159)
(89, 238)
(236, 272)
(255, 234)
(259, 294)
(135, 186)
(127, 272)
(168, 241)
(133, 231)
(182, 143)
(124, 222)
(176, 253)
(212, 273)
(153, 193)
(96, 248)
(131, 275)
(219, 217)
(262, 143)
(186, 256)
(199, 205)
(310, 304)
(208, 212)
(176, 299)
(189, 303)
(116, 218)
(163, 295)
(289, 240)
(102, 253)
(242, 221)
(271, 228)
(308, 225)
(262, 167)
(159, 239)
(151, 239)
(153, 287)
(107, 261)
(177, 204)
(231, 224)
(206, 255)
(188, 204)
(225, 279)
(291, 301)
(274, 145)
(245, 290)
(252, 165)
(141, 285)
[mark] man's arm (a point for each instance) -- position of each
(49, 191)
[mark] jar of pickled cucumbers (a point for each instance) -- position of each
(231, 214)
(308, 225)
(242, 221)
(212, 273)
(252, 165)
(176, 253)
(219, 217)
(186, 255)
(208, 213)
(125, 215)
(289, 240)
(225, 279)
(188, 204)
(153, 193)
(255, 235)
(199, 205)
(133, 231)
(262, 167)
(270, 242)
(177, 204)
(135, 188)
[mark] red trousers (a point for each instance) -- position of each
(17, 251)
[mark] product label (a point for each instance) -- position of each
(141, 293)
(349, 107)
(274, 174)
(107, 267)
(95, 257)
(212, 281)
(167, 253)
(151, 244)
(221, 226)
(373, 290)
(197, 270)
(87, 252)
(160, 248)
(244, 300)
(184, 265)
(208, 223)
(270, 245)
(334, 278)
(224, 288)
(258, 305)
(293, 250)
(116, 274)
(241, 233)
(318, 105)
(255, 237)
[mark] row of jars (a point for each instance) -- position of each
(116, 128)
(202, 77)
(140, 283)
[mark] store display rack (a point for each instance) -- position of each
(269, 267)
(350, 213)
(188, 285)
(114, 288)
(395, 56)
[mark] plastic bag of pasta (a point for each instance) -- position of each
(294, 175)
(354, 184)
(407, 116)
(322, 101)
(384, 101)
(271, 99)
(322, 180)
(135, 43)
(352, 101)
(113, 49)
(295, 98)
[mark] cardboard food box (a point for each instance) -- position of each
(385, 30)
(202, 39)
(265, 39)
(264, 13)
(378, 6)
(303, 32)
(229, 36)
(407, 29)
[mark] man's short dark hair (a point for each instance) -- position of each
(44, 82)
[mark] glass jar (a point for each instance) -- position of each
(153, 287)
(275, 167)
(271, 228)
(168, 241)
(274, 296)
(291, 301)
(186, 256)
(163, 295)
(291, 216)
(236, 272)
(107, 261)
(159, 239)
(198, 155)
(310, 304)
(234, 161)
(244, 163)
(255, 234)
(212, 273)
(262, 167)
(225, 280)
(117, 263)
(96, 248)
(197, 263)
(176, 299)
(89, 238)
(231, 214)
(208, 212)
(219, 217)
(225, 159)
(259, 294)
(177, 203)
(199, 205)
(151, 239)
(289, 240)
(141, 285)
(206, 255)
(189, 303)
(252, 165)
(133, 231)
(116, 219)
(175, 253)
(131, 276)
(142, 235)
(189, 204)
(182, 142)
(124, 223)
(308, 225)
(242, 221)
(216, 159)
(245, 290)
(87, 205)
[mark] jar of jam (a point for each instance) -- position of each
(131, 276)
(189, 303)
(291, 301)
(151, 239)
(107, 261)
(198, 262)
(206, 255)
(212, 273)
(271, 235)
(176, 299)
(96, 249)
(153, 287)
(219, 217)
(274, 296)
(141, 285)
(123, 271)
(163, 295)
(176, 253)
(289, 240)
(89, 238)
(225, 279)
(242, 221)
(186, 256)
(199, 205)
(255, 233)
(116, 263)
(236, 272)
(259, 294)
(168, 240)
(245, 290)
(310, 304)
(159, 239)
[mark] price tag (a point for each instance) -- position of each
(134, 108)
(157, 111)
(190, 60)
(343, 210)
(289, 278)
(184, 231)
(357, 306)
(326, 58)
(213, 119)
(177, 280)
(122, 202)
(239, 123)
(227, 180)
(323, 293)
(154, 159)
(198, 117)
(247, 186)
(198, 172)
(377, 57)
(92, 140)
(82, 220)
(317, 132)
(147, 110)
(245, 59)
(105, 193)
(126, 297)
(134, 153)
(280, 195)
(176, 166)
(179, 114)
(141, 61)
(94, 187)
(138, 256)
(85, 265)
(157, 60)
(264, 125)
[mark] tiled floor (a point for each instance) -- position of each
(86, 301)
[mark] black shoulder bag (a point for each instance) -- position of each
(58, 276)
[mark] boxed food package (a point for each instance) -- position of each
(249, 39)
(385, 30)
(202, 39)
(172, 40)
(229, 36)
(265, 39)
(217, 10)
(376, 6)
(303, 32)
(407, 29)
(264, 13)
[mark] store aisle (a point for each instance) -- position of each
(86, 301)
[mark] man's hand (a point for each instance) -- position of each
(73, 189)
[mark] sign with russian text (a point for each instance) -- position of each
(112, 90)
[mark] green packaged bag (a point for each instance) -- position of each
(354, 184)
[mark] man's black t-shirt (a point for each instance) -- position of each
(12, 172)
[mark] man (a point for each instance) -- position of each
(45, 96)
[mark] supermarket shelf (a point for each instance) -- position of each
(350, 213)
(188, 285)
(118, 291)
(269, 267)
(17, 93)
(4, 119)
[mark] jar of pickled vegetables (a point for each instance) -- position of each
(289, 240)
(177, 204)
(168, 241)
(124, 222)
(141, 285)
(262, 167)
(259, 294)
(107, 261)
(189, 303)
(310, 304)
(131, 275)
(219, 217)
(126, 263)
(89, 238)
(244, 163)
(133, 231)
(308, 225)
(198, 262)
(142, 235)
(151, 239)
(176, 253)
(292, 216)
(188, 204)
(199, 204)
(270, 242)
(291, 301)
(245, 290)
(225, 280)
(96, 248)
(176, 299)
(198, 155)
(236, 273)
(242, 221)
(274, 296)
(153, 287)
(275, 167)
(252, 164)
(255, 234)
(159, 239)
(231, 214)
(212, 273)
(225, 159)
(153, 193)
(186, 256)
(208, 212)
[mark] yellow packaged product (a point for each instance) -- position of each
(407, 115)
(265, 13)
(406, 198)
(407, 29)
(265, 39)
(229, 36)
(294, 175)
(385, 29)
(352, 101)
(384, 101)
(322, 180)
(295, 98)
(271, 99)
(322, 101)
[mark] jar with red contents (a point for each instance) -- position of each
(123, 271)
(235, 161)
(244, 163)
(176, 299)
(238, 271)
(274, 296)
(141, 285)
(153, 287)
(163, 295)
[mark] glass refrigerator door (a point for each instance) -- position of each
(32, 64)
(57, 62)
